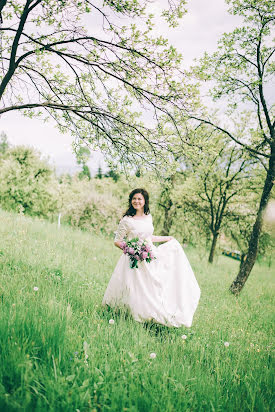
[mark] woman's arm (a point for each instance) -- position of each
(161, 238)
(121, 233)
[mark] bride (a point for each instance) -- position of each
(165, 290)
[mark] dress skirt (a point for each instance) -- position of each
(164, 291)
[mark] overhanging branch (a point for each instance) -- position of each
(221, 129)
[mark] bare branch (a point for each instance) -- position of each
(250, 149)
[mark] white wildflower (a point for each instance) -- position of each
(35, 288)
(111, 321)
(226, 344)
(184, 337)
(153, 355)
(85, 348)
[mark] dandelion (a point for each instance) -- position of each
(111, 321)
(153, 355)
(226, 344)
(184, 337)
(35, 288)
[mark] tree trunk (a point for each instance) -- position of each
(247, 265)
(169, 215)
(167, 203)
(213, 247)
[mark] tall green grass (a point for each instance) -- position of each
(59, 352)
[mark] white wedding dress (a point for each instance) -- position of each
(164, 291)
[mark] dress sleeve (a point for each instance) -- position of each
(122, 230)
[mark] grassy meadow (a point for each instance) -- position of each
(60, 353)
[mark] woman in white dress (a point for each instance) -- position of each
(165, 290)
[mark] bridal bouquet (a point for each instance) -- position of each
(137, 250)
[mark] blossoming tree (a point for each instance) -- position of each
(107, 83)
(242, 70)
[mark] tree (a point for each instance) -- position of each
(27, 183)
(216, 185)
(168, 204)
(224, 180)
(241, 219)
(112, 174)
(82, 156)
(99, 174)
(4, 144)
(89, 83)
(242, 69)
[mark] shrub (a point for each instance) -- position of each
(27, 182)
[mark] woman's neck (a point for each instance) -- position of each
(139, 213)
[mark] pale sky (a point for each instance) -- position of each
(197, 32)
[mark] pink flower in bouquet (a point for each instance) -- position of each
(137, 250)
(144, 255)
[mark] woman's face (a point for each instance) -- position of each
(138, 201)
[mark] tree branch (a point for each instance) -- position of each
(250, 149)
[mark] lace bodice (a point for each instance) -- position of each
(130, 228)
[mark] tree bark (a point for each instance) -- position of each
(12, 64)
(169, 215)
(167, 203)
(2, 5)
(213, 247)
(247, 265)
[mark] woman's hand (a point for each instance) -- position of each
(119, 244)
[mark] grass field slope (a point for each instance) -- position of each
(59, 352)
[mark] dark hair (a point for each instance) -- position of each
(131, 211)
